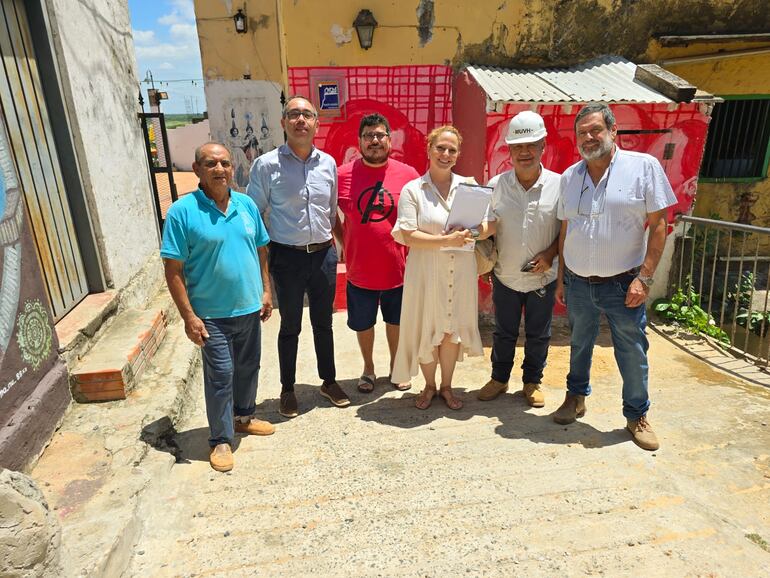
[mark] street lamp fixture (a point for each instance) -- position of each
(365, 25)
(240, 21)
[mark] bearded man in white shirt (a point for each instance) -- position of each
(608, 261)
(526, 228)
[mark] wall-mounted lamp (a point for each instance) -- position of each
(156, 96)
(240, 22)
(365, 25)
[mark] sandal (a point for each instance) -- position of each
(401, 386)
(450, 400)
(425, 398)
(366, 383)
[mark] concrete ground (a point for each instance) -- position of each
(496, 489)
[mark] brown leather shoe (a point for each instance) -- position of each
(333, 392)
(288, 404)
(491, 390)
(221, 458)
(534, 394)
(642, 433)
(573, 407)
(254, 426)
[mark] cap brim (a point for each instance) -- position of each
(525, 140)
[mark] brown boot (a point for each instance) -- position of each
(534, 394)
(573, 407)
(221, 458)
(642, 433)
(491, 390)
(254, 426)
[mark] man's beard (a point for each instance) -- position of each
(375, 156)
(604, 148)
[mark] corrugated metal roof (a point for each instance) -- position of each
(606, 79)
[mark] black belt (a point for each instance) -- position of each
(596, 280)
(311, 248)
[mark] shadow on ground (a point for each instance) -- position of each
(192, 445)
(516, 417)
(186, 446)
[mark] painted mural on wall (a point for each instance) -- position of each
(27, 340)
(245, 115)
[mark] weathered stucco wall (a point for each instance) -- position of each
(490, 32)
(738, 74)
(245, 115)
(183, 141)
(231, 56)
(94, 49)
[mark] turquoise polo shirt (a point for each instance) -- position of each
(219, 252)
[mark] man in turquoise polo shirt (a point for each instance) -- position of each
(216, 269)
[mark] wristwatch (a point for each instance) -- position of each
(475, 233)
(647, 281)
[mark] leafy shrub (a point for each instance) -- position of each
(683, 309)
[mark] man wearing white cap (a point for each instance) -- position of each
(524, 204)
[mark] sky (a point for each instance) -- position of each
(166, 43)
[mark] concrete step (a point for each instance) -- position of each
(97, 468)
(80, 329)
(111, 369)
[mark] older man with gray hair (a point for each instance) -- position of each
(526, 229)
(215, 259)
(608, 262)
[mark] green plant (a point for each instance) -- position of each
(742, 291)
(758, 322)
(684, 310)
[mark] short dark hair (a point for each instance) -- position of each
(591, 108)
(374, 119)
(295, 97)
(199, 150)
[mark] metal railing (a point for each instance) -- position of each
(723, 269)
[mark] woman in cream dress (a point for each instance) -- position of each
(439, 311)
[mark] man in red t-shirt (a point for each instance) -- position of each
(368, 191)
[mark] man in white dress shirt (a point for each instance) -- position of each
(526, 228)
(608, 261)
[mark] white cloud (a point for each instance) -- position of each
(182, 12)
(165, 66)
(185, 8)
(164, 51)
(144, 37)
(184, 32)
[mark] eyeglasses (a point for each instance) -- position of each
(370, 136)
(595, 208)
(294, 114)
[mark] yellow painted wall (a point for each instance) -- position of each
(495, 32)
(227, 55)
(736, 75)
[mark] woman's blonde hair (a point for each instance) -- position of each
(438, 131)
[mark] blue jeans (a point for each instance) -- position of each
(231, 356)
(585, 303)
(538, 311)
(294, 274)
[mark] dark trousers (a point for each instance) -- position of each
(294, 274)
(538, 312)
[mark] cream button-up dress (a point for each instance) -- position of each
(440, 287)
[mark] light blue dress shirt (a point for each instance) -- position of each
(297, 199)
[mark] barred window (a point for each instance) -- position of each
(738, 137)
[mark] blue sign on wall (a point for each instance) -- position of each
(329, 96)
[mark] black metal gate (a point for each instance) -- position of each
(159, 159)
